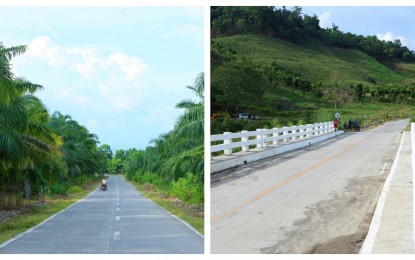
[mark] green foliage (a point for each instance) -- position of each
(300, 80)
(58, 188)
(74, 189)
(146, 177)
(293, 26)
(188, 189)
(115, 165)
(36, 149)
(172, 155)
(315, 62)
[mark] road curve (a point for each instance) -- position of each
(119, 221)
(302, 200)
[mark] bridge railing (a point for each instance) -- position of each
(261, 138)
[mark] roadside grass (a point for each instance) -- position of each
(40, 213)
(160, 197)
(367, 114)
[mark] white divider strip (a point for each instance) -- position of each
(374, 226)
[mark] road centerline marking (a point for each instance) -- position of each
(117, 235)
(285, 181)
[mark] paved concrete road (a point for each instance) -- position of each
(118, 221)
(319, 197)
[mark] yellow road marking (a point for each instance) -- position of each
(287, 180)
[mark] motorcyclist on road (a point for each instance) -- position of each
(104, 184)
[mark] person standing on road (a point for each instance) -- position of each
(350, 123)
(356, 125)
(335, 122)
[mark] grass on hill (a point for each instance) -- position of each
(317, 62)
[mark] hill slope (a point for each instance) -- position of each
(285, 83)
(317, 62)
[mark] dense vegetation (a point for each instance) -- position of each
(280, 65)
(46, 155)
(294, 26)
(40, 154)
(174, 161)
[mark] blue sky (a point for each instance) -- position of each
(119, 71)
(386, 22)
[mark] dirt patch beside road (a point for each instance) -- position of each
(335, 226)
(350, 244)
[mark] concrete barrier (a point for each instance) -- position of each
(268, 143)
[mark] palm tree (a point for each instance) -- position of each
(191, 123)
(10, 87)
(24, 138)
(80, 147)
(188, 137)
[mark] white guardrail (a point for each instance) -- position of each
(264, 137)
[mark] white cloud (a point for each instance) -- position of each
(84, 61)
(43, 48)
(130, 65)
(85, 67)
(391, 37)
(113, 80)
(324, 18)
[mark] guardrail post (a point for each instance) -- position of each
(308, 129)
(301, 130)
(284, 133)
(275, 134)
(245, 139)
(227, 141)
(293, 132)
(264, 136)
(258, 137)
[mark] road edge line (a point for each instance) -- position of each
(43, 222)
(176, 217)
(369, 242)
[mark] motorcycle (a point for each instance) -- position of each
(104, 187)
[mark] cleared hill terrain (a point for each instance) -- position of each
(317, 62)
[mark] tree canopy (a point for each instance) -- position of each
(38, 149)
(294, 26)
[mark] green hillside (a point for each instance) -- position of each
(317, 62)
(286, 83)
